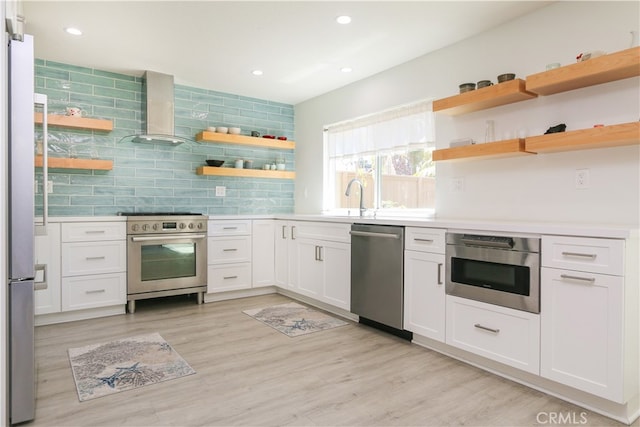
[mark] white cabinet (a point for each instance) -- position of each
(314, 260)
(502, 334)
(583, 315)
(229, 255)
(263, 253)
(94, 265)
(47, 256)
(424, 276)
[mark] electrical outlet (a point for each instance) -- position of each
(582, 178)
(221, 191)
(49, 186)
(457, 185)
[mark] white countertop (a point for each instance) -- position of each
(499, 226)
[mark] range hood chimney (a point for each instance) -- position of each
(157, 111)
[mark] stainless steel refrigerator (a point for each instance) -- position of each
(20, 236)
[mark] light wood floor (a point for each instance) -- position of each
(250, 374)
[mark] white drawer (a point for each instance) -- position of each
(502, 334)
(604, 256)
(425, 239)
(334, 232)
(229, 227)
(103, 290)
(228, 277)
(225, 250)
(79, 259)
(93, 231)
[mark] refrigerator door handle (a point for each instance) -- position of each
(41, 99)
(41, 285)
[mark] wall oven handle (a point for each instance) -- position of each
(578, 254)
(489, 244)
(173, 237)
(485, 328)
(583, 279)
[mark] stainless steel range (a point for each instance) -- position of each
(166, 255)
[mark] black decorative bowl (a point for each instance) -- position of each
(215, 163)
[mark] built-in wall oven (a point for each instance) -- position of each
(501, 270)
(166, 255)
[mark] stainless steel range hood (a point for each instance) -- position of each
(157, 111)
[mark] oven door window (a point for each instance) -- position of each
(168, 261)
(489, 275)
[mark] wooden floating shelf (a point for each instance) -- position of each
(226, 138)
(603, 69)
(480, 99)
(506, 148)
(66, 163)
(75, 122)
(250, 173)
(583, 139)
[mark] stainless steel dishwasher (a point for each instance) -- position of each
(377, 279)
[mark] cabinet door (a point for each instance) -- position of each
(281, 244)
(336, 260)
(263, 257)
(424, 295)
(47, 252)
(581, 326)
(310, 268)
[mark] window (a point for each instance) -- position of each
(390, 154)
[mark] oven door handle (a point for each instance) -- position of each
(488, 244)
(173, 237)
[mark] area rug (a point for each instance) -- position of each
(107, 368)
(293, 319)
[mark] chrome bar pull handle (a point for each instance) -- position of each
(582, 279)
(284, 232)
(96, 291)
(417, 239)
(229, 250)
(440, 273)
(293, 232)
(580, 255)
(486, 328)
(93, 258)
(230, 277)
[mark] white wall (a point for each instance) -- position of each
(538, 187)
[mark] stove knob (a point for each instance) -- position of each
(199, 226)
(191, 225)
(155, 226)
(135, 227)
(182, 225)
(145, 227)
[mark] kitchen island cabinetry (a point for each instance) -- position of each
(424, 276)
(584, 319)
(228, 255)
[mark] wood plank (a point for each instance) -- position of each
(481, 99)
(506, 148)
(248, 374)
(603, 69)
(67, 163)
(225, 138)
(249, 173)
(583, 139)
(75, 122)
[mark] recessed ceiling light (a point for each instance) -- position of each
(73, 31)
(346, 69)
(257, 72)
(344, 19)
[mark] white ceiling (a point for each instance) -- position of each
(216, 44)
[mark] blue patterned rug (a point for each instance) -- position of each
(293, 319)
(103, 369)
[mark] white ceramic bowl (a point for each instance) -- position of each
(222, 129)
(234, 131)
(211, 129)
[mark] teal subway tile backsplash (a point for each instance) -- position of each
(157, 177)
